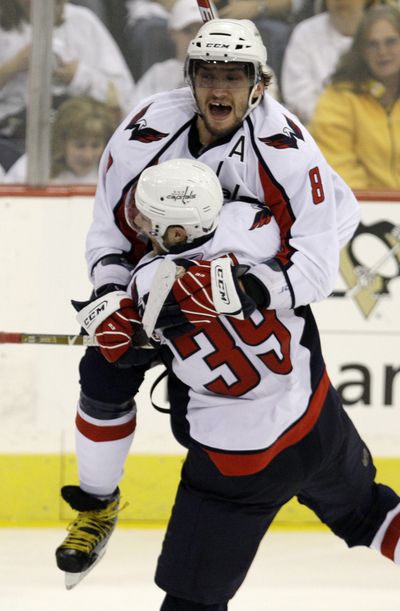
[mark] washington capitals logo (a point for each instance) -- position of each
(262, 217)
(288, 139)
(140, 131)
(183, 196)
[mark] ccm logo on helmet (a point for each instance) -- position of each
(217, 45)
(93, 314)
(221, 284)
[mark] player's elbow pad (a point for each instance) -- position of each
(113, 272)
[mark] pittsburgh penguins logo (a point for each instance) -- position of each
(368, 280)
(288, 139)
(140, 131)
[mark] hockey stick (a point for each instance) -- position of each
(207, 10)
(7, 337)
(161, 286)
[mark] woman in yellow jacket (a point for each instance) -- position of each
(357, 120)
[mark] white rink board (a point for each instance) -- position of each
(360, 332)
(42, 253)
(43, 267)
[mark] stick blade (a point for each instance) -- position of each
(160, 288)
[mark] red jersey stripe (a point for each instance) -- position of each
(278, 203)
(391, 538)
(248, 464)
(105, 433)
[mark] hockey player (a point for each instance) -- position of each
(249, 392)
(261, 153)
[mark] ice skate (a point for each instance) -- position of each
(88, 535)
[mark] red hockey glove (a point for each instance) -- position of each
(206, 290)
(113, 320)
(114, 334)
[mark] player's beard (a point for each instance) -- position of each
(221, 132)
(218, 131)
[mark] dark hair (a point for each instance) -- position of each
(353, 67)
(12, 15)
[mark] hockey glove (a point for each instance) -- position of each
(206, 290)
(113, 320)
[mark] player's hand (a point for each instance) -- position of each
(115, 323)
(206, 290)
(114, 335)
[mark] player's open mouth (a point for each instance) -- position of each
(219, 111)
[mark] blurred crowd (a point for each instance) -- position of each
(334, 63)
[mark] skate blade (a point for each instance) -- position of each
(72, 579)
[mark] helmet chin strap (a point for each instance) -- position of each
(253, 101)
(158, 239)
(161, 244)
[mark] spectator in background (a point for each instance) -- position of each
(87, 61)
(283, 10)
(146, 38)
(184, 22)
(312, 53)
(273, 18)
(357, 121)
(81, 130)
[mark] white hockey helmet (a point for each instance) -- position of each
(229, 40)
(180, 192)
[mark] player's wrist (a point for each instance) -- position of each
(109, 288)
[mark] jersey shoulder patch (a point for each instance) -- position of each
(140, 131)
(288, 138)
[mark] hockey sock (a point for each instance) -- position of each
(102, 447)
(387, 539)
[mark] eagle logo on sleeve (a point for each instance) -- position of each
(262, 217)
(288, 139)
(140, 131)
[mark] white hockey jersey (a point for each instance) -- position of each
(242, 389)
(247, 389)
(270, 158)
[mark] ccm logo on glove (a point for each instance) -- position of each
(113, 320)
(220, 284)
(94, 314)
(224, 289)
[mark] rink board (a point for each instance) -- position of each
(43, 268)
(31, 484)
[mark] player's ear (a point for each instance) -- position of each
(259, 90)
(176, 235)
(180, 234)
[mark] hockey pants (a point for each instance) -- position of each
(218, 522)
